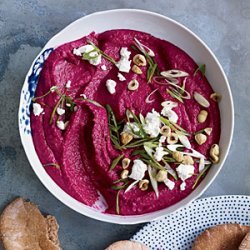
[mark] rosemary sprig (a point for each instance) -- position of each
(55, 108)
(115, 162)
(201, 68)
(175, 95)
(153, 67)
(52, 164)
(113, 127)
(200, 175)
(106, 56)
(174, 126)
(42, 96)
(141, 133)
(120, 187)
(138, 143)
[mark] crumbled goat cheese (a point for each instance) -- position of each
(37, 109)
(152, 123)
(159, 153)
(104, 67)
(183, 186)
(185, 171)
(61, 125)
(60, 111)
(138, 170)
(170, 184)
(111, 84)
(121, 77)
(68, 84)
(86, 49)
(124, 63)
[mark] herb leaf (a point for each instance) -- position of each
(200, 175)
(201, 68)
(55, 108)
(113, 127)
(106, 56)
(115, 162)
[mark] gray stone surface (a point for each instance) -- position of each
(26, 25)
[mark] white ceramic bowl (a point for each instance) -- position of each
(159, 26)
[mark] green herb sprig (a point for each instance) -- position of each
(200, 175)
(99, 51)
(201, 68)
(152, 65)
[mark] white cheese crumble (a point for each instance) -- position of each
(121, 77)
(159, 153)
(111, 84)
(138, 170)
(68, 84)
(124, 63)
(185, 171)
(61, 125)
(103, 67)
(60, 111)
(37, 109)
(168, 112)
(183, 186)
(86, 49)
(152, 123)
(170, 184)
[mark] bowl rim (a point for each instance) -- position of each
(77, 206)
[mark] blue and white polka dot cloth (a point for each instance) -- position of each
(177, 231)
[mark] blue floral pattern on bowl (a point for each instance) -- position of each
(29, 89)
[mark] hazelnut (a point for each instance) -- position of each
(124, 174)
(215, 153)
(143, 184)
(215, 97)
(165, 130)
(188, 160)
(136, 70)
(126, 138)
(125, 163)
(200, 138)
(202, 116)
(208, 131)
(139, 60)
(133, 85)
(178, 156)
(161, 176)
(172, 139)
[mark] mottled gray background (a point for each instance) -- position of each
(25, 27)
